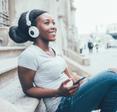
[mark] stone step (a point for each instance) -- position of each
(13, 93)
(8, 68)
(76, 57)
(10, 88)
(10, 51)
(79, 69)
(7, 64)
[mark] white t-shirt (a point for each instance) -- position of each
(49, 71)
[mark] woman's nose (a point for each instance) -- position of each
(53, 27)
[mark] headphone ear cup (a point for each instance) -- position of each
(33, 32)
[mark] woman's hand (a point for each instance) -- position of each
(63, 90)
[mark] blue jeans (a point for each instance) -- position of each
(98, 92)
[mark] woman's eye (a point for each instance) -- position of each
(47, 23)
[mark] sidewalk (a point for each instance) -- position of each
(102, 60)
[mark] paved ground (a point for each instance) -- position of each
(104, 59)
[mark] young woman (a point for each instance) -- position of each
(43, 72)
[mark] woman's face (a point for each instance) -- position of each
(46, 26)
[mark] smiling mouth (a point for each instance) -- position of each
(53, 33)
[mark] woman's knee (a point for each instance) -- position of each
(107, 76)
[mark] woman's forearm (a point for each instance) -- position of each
(41, 92)
(68, 72)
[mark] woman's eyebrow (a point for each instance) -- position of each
(47, 19)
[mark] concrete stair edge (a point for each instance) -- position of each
(6, 52)
(7, 65)
(76, 67)
(7, 48)
(83, 60)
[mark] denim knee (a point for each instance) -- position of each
(106, 75)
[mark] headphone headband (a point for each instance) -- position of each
(28, 22)
(33, 31)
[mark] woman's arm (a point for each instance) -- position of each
(26, 77)
(69, 73)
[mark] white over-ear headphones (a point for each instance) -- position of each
(33, 30)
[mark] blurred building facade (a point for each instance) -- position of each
(62, 10)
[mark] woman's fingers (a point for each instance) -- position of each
(72, 91)
(74, 88)
(67, 89)
(66, 81)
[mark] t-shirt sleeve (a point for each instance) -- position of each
(28, 60)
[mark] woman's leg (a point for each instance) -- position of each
(109, 103)
(98, 92)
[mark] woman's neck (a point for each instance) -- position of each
(43, 44)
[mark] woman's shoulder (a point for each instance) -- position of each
(28, 59)
(29, 51)
(32, 49)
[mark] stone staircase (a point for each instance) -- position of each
(10, 89)
(77, 62)
(76, 68)
(76, 57)
(7, 52)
